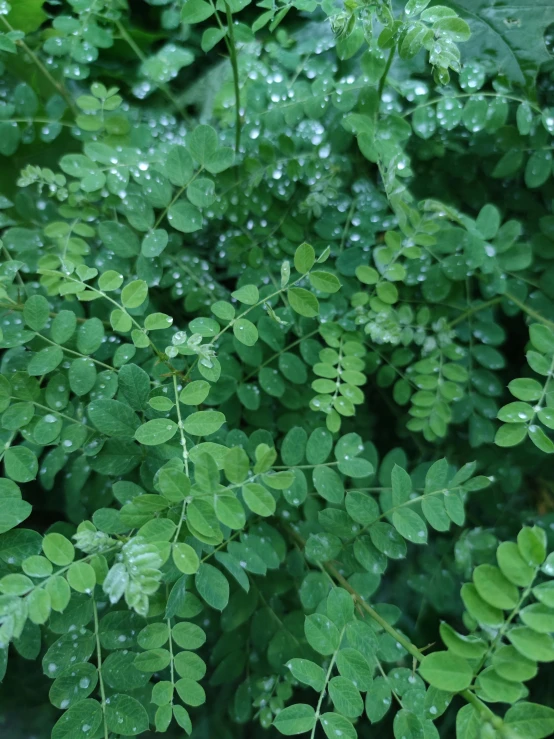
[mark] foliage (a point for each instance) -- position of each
(276, 399)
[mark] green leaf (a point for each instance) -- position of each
(335, 725)
(532, 545)
(45, 361)
(204, 423)
(152, 660)
(178, 165)
(236, 465)
(121, 240)
(511, 45)
(401, 485)
(185, 217)
(82, 577)
(538, 617)
(229, 511)
(512, 564)
(303, 302)
(247, 294)
(410, 525)
(534, 646)
(510, 434)
(190, 692)
(195, 11)
(157, 431)
(125, 715)
(188, 635)
(328, 484)
(185, 558)
(407, 724)
(479, 609)
(511, 665)
(258, 499)
(58, 549)
(295, 719)
(82, 719)
(304, 258)
(73, 685)
(516, 412)
(378, 700)
(530, 720)
(346, 697)
(353, 665)
(245, 331)
(134, 294)
(542, 338)
(212, 586)
(495, 588)
(36, 312)
(202, 143)
(195, 392)
(470, 647)
(20, 464)
(12, 512)
(446, 671)
(113, 418)
(211, 37)
(321, 633)
(307, 672)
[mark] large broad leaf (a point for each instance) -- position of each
(510, 32)
(27, 15)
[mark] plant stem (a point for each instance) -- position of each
(278, 354)
(99, 665)
(185, 455)
(530, 312)
(138, 51)
(513, 98)
(384, 76)
(234, 65)
(416, 653)
(476, 309)
(324, 689)
(59, 87)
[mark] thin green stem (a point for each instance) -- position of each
(236, 80)
(278, 354)
(139, 53)
(304, 466)
(502, 630)
(257, 305)
(530, 311)
(390, 511)
(176, 197)
(76, 354)
(161, 356)
(427, 103)
(346, 228)
(99, 664)
(324, 689)
(220, 546)
(20, 307)
(10, 259)
(476, 309)
(58, 413)
(416, 653)
(59, 87)
(7, 444)
(171, 665)
(185, 455)
(37, 120)
(384, 76)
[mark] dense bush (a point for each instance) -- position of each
(277, 295)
